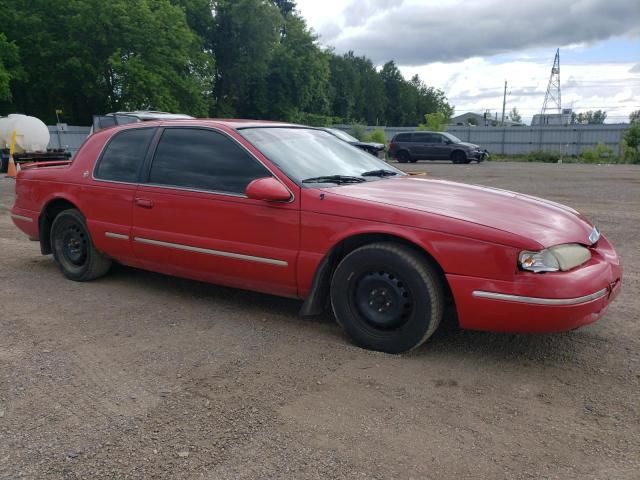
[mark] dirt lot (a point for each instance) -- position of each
(139, 375)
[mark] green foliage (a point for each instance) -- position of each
(359, 131)
(377, 136)
(435, 122)
(590, 117)
(298, 74)
(90, 57)
(544, 157)
(600, 154)
(9, 61)
(632, 143)
(245, 35)
(240, 58)
(515, 116)
(634, 116)
(315, 119)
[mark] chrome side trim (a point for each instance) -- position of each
(118, 236)
(21, 217)
(539, 301)
(218, 253)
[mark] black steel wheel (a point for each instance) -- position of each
(73, 249)
(387, 297)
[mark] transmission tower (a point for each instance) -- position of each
(553, 98)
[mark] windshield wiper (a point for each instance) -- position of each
(379, 173)
(337, 179)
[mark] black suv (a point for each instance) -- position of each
(414, 146)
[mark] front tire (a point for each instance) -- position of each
(458, 157)
(73, 249)
(387, 297)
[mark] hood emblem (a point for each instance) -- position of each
(594, 236)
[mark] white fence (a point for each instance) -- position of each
(67, 136)
(567, 140)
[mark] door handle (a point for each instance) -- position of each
(144, 202)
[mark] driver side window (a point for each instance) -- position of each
(205, 160)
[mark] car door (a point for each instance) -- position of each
(191, 217)
(421, 145)
(440, 148)
(109, 192)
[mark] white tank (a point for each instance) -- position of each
(32, 135)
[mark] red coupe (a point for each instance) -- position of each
(293, 211)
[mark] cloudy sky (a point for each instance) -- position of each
(469, 48)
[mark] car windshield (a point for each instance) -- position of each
(307, 154)
(453, 138)
(343, 135)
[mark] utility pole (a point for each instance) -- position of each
(504, 101)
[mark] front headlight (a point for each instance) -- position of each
(560, 257)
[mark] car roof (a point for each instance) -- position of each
(233, 123)
(153, 115)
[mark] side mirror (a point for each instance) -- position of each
(267, 189)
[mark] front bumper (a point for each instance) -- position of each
(540, 303)
(478, 155)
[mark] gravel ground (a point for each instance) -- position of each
(139, 375)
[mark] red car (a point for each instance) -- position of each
(296, 212)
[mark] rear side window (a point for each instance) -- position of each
(124, 154)
(204, 160)
(403, 137)
(424, 137)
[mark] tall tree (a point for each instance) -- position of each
(9, 66)
(634, 116)
(245, 35)
(514, 115)
(589, 117)
(394, 91)
(90, 57)
(298, 74)
(286, 6)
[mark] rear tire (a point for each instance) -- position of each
(403, 157)
(73, 249)
(387, 297)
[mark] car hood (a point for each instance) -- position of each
(468, 145)
(378, 146)
(545, 222)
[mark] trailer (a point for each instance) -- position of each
(29, 137)
(50, 155)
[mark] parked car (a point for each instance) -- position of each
(414, 146)
(122, 118)
(375, 149)
(293, 211)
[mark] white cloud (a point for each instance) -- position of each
(449, 44)
(415, 32)
(478, 85)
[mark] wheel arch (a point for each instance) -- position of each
(402, 151)
(317, 300)
(456, 152)
(49, 212)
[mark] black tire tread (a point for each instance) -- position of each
(425, 270)
(99, 265)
